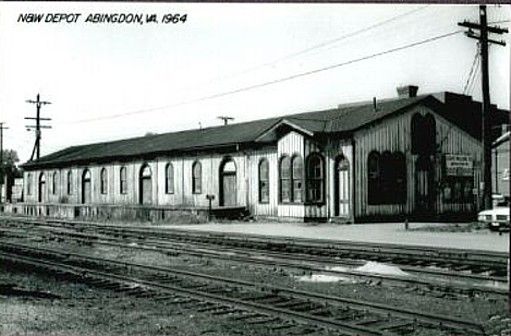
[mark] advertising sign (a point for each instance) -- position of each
(458, 165)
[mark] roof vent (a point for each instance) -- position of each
(408, 91)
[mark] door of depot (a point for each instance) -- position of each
(146, 186)
(42, 188)
(424, 188)
(342, 192)
(228, 192)
(86, 187)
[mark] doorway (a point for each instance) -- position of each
(424, 186)
(86, 187)
(146, 185)
(228, 194)
(342, 188)
(42, 188)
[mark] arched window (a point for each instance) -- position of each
(54, 184)
(386, 190)
(264, 179)
(297, 179)
(373, 177)
(70, 182)
(423, 134)
(29, 184)
(123, 181)
(417, 123)
(169, 178)
(399, 168)
(428, 135)
(197, 178)
(315, 179)
(285, 179)
(103, 181)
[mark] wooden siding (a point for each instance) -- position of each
(291, 144)
(254, 158)
(182, 195)
(336, 149)
(393, 134)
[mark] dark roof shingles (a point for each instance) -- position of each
(344, 118)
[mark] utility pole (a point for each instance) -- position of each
(483, 39)
(225, 119)
(2, 128)
(487, 127)
(37, 126)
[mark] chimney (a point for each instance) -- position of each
(407, 91)
(375, 106)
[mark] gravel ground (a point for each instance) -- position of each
(87, 311)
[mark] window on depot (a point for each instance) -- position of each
(169, 178)
(197, 178)
(123, 181)
(315, 179)
(264, 181)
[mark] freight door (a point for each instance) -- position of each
(342, 204)
(228, 192)
(424, 188)
(42, 188)
(86, 187)
(146, 185)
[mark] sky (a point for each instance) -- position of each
(109, 81)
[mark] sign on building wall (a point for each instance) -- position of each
(458, 165)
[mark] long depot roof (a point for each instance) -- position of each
(344, 118)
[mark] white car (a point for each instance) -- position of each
(495, 218)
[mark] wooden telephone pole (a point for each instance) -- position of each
(225, 119)
(483, 39)
(37, 126)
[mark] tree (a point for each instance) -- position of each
(10, 159)
(9, 170)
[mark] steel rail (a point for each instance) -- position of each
(426, 318)
(351, 329)
(419, 249)
(126, 230)
(277, 259)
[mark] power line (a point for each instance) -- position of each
(502, 21)
(471, 76)
(314, 47)
(275, 81)
(477, 75)
(325, 43)
(484, 41)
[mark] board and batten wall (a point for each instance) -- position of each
(337, 149)
(394, 134)
(182, 195)
(254, 158)
(293, 143)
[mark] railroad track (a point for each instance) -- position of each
(434, 258)
(448, 283)
(278, 304)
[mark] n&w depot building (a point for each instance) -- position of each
(414, 156)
